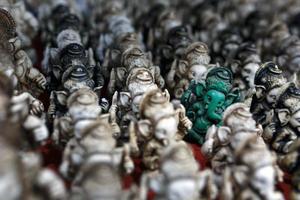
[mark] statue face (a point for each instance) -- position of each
(214, 101)
(67, 37)
(198, 58)
(248, 73)
(145, 76)
(197, 73)
(295, 121)
(166, 128)
(229, 50)
(272, 96)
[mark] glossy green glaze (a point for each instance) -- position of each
(205, 103)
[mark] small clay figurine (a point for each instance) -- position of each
(178, 39)
(96, 144)
(76, 69)
(113, 53)
(289, 55)
(82, 107)
(226, 46)
(221, 142)
(268, 85)
(193, 66)
(27, 25)
(161, 124)
(206, 102)
(287, 112)
(15, 61)
(244, 67)
(131, 59)
(179, 177)
(70, 65)
(116, 26)
(125, 104)
(250, 177)
(163, 21)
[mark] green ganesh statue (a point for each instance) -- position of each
(206, 102)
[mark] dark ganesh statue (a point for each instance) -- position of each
(206, 102)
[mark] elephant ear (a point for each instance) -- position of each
(61, 97)
(284, 116)
(57, 71)
(114, 54)
(121, 73)
(260, 91)
(125, 99)
(182, 67)
(149, 55)
(166, 51)
(281, 60)
(223, 135)
(167, 94)
(144, 128)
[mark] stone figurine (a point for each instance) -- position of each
(15, 61)
(250, 177)
(206, 102)
(193, 66)
(287, 124)
(96, 144)
(269, 84)
(27, 25)
(131, 59)
(126, 103)
(178, 39)
(221, 142)
(161, 124)
(82, 107)
(179, 177)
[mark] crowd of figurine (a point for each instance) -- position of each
(119, 85)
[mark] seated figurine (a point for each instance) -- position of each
(288, 119)
(15, 62)
(206, 102)
(125, 104)
(82, 108)
(269, 84)
(221, 142)
(161, 124)
(179, 177)
(193, 66)
(249, 177)
(96, 144)
(131, 59)
(178, 39)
